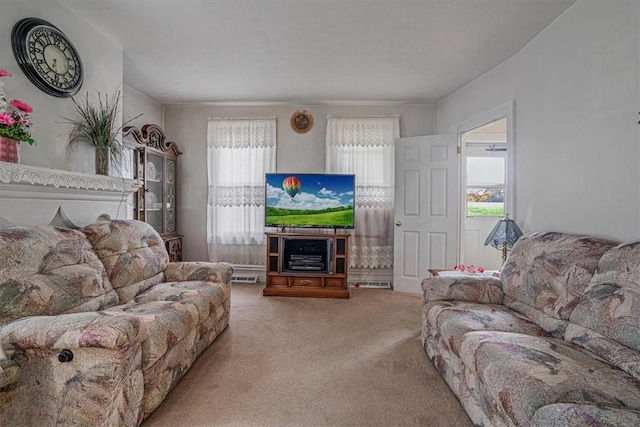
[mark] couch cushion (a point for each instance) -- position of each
(571, 414)
(167, 323)
(204, 296)
(607, 319)
(554, 326)
(132, 252)
(611, 303)
(612, 351)
(46, 270)
(525, 373)
(550, 271)
(452, 320)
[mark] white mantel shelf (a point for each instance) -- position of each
(23, 181)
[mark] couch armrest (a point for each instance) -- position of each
(101, 386)
(110, 330)
(196, 270)
(483, 289)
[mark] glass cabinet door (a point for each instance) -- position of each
(171, 196)
(154, 191)
(155, 164)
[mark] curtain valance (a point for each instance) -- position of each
(362, 131)
(242, 133)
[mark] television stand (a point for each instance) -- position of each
(307, 265)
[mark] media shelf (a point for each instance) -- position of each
(307, 265)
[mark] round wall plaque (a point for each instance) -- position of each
(301, 121)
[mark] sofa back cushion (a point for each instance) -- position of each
(611, 303)
(550, 271)
(46, 270)
(132, 252)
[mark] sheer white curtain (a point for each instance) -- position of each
(240, 152)
(364, 146)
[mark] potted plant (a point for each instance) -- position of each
(98, 126)
(15, 125)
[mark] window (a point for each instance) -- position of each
(485, 185)
(240, 153)
(365, 146)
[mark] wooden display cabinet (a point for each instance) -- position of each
(155, 163)
(307, 265)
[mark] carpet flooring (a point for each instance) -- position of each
(314, 362)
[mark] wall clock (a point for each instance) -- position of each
(301, 121)
(47, 57)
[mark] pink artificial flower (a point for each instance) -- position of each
(480, 270)
(4, 73)
(22, 120)
(6, 119)
(22, 106)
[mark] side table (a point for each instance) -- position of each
(437, 272)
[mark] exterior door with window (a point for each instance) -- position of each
(485, 191)
(426, 208)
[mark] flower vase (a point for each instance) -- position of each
(9, 150)
(102, 160)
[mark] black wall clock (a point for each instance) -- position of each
(47, 57)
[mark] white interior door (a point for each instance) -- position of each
(426, 208)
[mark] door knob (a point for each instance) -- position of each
(398, 223)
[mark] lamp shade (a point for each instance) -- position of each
(505, 233)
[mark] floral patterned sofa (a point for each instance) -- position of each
(97, 324)
(555, 341)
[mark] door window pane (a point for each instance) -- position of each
(485, 186)
(483, 201)
(485, 170)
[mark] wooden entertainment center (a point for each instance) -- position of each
(307, 265)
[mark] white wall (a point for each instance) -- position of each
(102, 61)
(135, 103)
(576, 87)
(187, 126)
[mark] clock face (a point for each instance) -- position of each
(47, 57)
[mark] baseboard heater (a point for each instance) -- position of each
(383, 284)
(244, 279)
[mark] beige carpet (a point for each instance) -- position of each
(315, 362)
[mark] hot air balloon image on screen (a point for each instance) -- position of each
(320, 200)
(291, 185)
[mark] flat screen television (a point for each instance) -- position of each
(310, 200)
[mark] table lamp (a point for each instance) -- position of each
(504, 235)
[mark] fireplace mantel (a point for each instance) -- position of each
(33, 194)
(32, 179)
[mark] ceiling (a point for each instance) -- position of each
(313, 51)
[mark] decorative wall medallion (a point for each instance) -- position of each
(301, 121)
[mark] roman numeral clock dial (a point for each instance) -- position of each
(47, 57)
